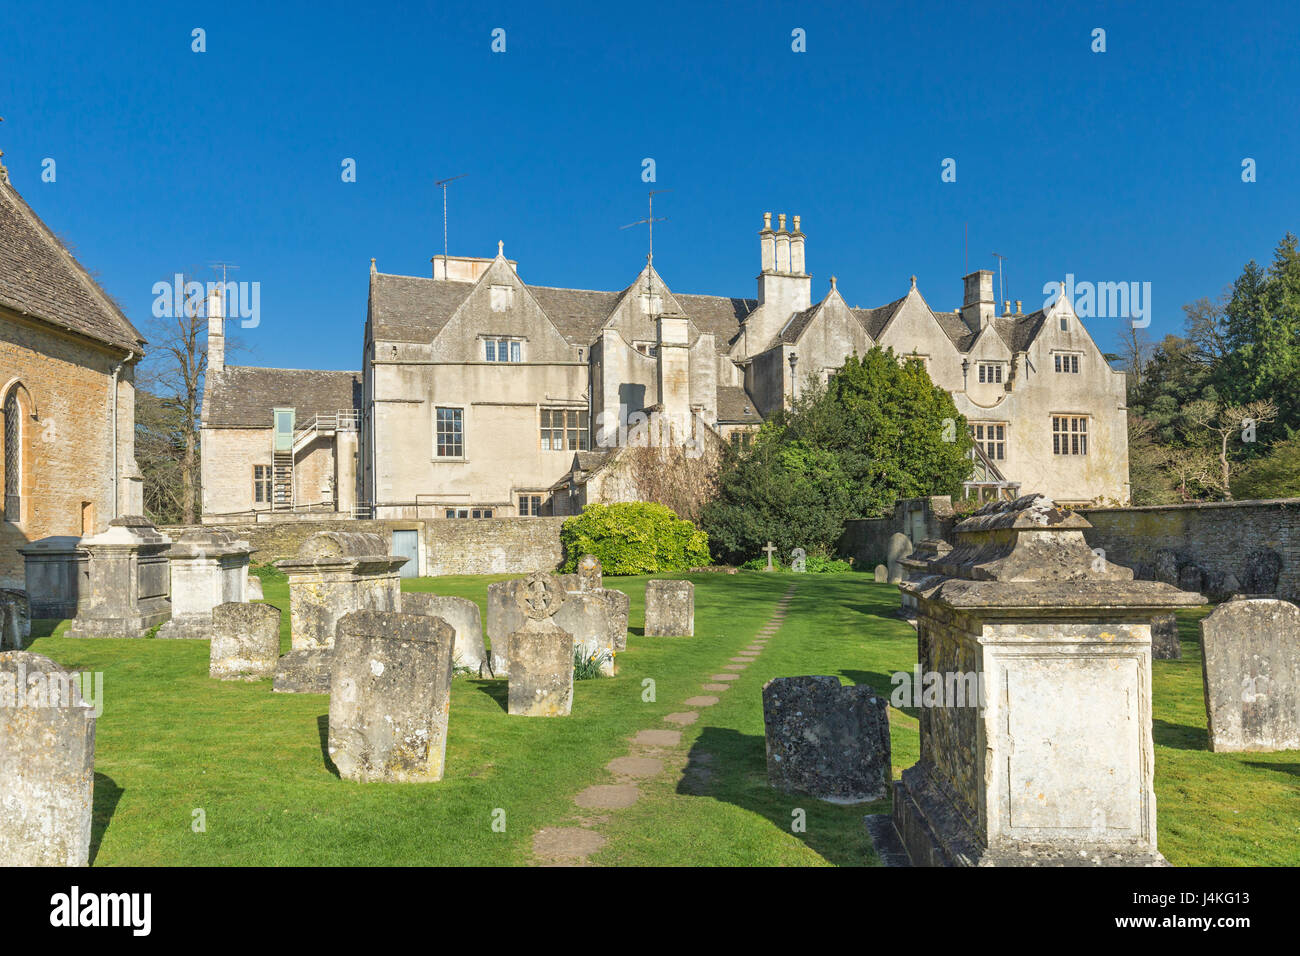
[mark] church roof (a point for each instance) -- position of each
(243, 396)
(413, 309)
(39, 277)
(736, 407)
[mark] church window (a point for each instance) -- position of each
(992, 439)
(1067, 362)
(450, 435)
(503, 297)
(990, 372)
(261, 484)
(13, 439)
(564, 429)
(1069, 435)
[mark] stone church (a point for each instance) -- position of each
(67, 393)
(483, 396)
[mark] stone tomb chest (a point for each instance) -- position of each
(123, 591)
(1036, 741)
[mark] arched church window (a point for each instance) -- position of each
(13, 456)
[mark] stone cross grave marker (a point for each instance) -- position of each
(771, 550)
(540, 652)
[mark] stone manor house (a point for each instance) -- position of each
(483, 396)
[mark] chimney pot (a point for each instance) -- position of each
(796, 223)
(767, 220)
(1018, 312)
(1006, 306)
(780, 222)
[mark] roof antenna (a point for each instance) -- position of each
(224, 267)
(1001, 290)
(443, 183)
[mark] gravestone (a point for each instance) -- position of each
(254, 588)
(1190, 578)
(245, 641)
(47, 764)
(1250, 657)
(15, 619)
(882, 574)
(463, 616)
(899, 547)
(503, 618)
(1261, 571)
(826, 740)
(590, 573)
(669, 609)
(333, 574)
(1166, 566)
(1023, 607)
(54, 569)
(586, 616)
(769, 550)
(208, 567)
(619, 604)
(1164, 638)
(541, 653)
(390, 696)
(124, 590)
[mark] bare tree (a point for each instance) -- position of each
(1206, 329)
(1222, 422)
(1135, 351)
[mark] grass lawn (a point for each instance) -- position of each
(171, 742)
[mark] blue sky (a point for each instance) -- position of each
(1115, 166)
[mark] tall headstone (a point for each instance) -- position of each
(15, 619)
(898, 548)
(245, 641)
(125, 589)
(47, 764)
(503, 618)
(333, 574)
(590, 573)
(390, 697)
(1250, 655)
(826, 740)
(669, 608)
(1164, 638)
(541, 652)
(619, 605)
(1022, 608)
(208, 567)
(586, 616)
(463, 616)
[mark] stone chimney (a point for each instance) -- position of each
(783, 286)
(673, 361)
(216, 309)
(796, 249)
(978, 305)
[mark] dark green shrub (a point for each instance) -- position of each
(633, 537)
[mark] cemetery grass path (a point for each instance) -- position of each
(171, 741)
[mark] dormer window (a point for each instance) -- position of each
(503, 297)
(990, 373)
(502, 350)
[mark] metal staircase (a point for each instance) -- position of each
(282, 498)
(285, 450)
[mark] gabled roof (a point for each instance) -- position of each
(875, 320)
(243, 396)
(413, 309)
(39, 277)
(794, 328)
(735, 406)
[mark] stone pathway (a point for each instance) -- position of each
(652, 752)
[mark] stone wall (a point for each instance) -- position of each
(66, 401)
(1202, 543)
(484, 546)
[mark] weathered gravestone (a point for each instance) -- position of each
(124, 591)
(541, 653)
(333, 574)
(254, 586)
(669, 609)
(619, 604)
(826, 740)
(1164, 638)
(1250, 654)
(882, 574)
(899, 547)
(208, 567)
(586, 616)
(590, 573)
(503, 618)
(245, 641)
(1260, 572)
(15, 619)
(47, 764)
(1022, 606)
(390, 697)
(54, 569)
(463, 616)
